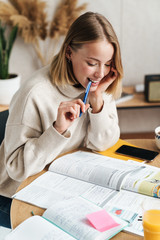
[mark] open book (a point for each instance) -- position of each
(100, 179)
(66, 220)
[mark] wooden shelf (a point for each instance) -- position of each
(138, 100)
(138, 135)
(3, 107)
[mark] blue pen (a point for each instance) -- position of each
(86, 95)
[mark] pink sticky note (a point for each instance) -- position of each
(101, 220)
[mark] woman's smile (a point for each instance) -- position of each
(94, 82)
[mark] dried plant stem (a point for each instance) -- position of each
(31, 19)
(38, 52)
(53, 46)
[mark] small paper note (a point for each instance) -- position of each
(102, 220)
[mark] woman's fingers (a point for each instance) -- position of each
(71, 112)
(71, 109)
(109, 79)
(67, 112)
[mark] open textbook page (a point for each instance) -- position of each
(100, 178)
(110, 172)
(70, 215)
(145, 181)
(77, 174)
(51, 187)
(94, 168)
(130, 206)
(37, 228)
(65, 220)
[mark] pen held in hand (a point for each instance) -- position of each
(86, 95)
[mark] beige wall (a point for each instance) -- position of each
(137, 24)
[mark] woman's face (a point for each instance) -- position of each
(92, 61)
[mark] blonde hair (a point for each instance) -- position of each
(89, 27)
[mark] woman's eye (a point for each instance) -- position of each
(91, 64)
(108, 65)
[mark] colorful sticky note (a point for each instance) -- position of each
(102, 220)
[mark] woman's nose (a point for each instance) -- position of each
(99, 73)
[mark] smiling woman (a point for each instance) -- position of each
(44, 114)
(90, 61)
(97, 29)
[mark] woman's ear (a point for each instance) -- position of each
(68, 53)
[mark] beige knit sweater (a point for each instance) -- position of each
(31, 142)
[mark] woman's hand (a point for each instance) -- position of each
(67, 113)
(95, 98)
(107, 81)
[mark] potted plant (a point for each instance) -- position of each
(31, 21)
(9, 83)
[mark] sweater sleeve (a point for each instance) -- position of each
(27, 151)
(103, 129)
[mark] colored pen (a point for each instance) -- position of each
(86, 95)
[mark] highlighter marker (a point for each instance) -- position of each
(86, 95)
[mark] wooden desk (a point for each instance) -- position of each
(138, 100)
(21, 211)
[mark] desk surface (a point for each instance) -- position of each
(138, 100)
(21, 211)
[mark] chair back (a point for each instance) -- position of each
(3, 120)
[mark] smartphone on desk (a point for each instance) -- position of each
(141, 153)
